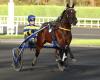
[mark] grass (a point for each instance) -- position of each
(88, 12)
(3, 10)
(11, 36)
(95, 42)
(47, 10)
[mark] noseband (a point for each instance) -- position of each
(64, 29)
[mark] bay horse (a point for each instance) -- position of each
(60, 34)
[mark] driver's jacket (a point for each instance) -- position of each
(28, 30)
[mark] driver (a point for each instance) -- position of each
(29, 29)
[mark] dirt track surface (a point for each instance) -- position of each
(86, 68)
(86, 33)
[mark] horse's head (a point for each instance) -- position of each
(70, 13)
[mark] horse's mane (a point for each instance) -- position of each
(54, 22)
(60, 17)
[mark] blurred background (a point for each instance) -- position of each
(53, 2)
(88, 14)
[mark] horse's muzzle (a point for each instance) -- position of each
(75, 22)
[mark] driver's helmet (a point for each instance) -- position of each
(31, 18)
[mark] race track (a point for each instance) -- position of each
(86, 33)
(86, 68)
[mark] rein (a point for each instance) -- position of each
(64, 29)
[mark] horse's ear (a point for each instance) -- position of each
(73, 5)
(67, 6)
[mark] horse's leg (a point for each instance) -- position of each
(61, 49)
(37, 52)
(57, 55)
(62, 58)
(61, 61)
(71, 55)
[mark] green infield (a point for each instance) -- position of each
(95, 42)
(11, 36)
(53, 11)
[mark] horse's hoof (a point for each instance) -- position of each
(33, 64)
(61, 68)
(74, 60)
(34, 61)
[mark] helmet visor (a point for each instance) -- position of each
(31, 19)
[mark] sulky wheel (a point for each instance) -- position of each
(17, 59)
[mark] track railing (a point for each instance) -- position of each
(22, 20)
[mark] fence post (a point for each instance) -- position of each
(98, 23)
(91, 23)
(10, 22)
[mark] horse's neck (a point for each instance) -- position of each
(60, 17)
(63, 21)
(65, 24)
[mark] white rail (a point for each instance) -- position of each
(22, 20)
(89, 22)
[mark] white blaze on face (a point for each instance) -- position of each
(64, 57)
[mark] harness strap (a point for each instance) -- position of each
(64, 29)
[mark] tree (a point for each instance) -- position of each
(92, 2)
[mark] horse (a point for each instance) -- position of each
(70, 16)
(60, 34)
